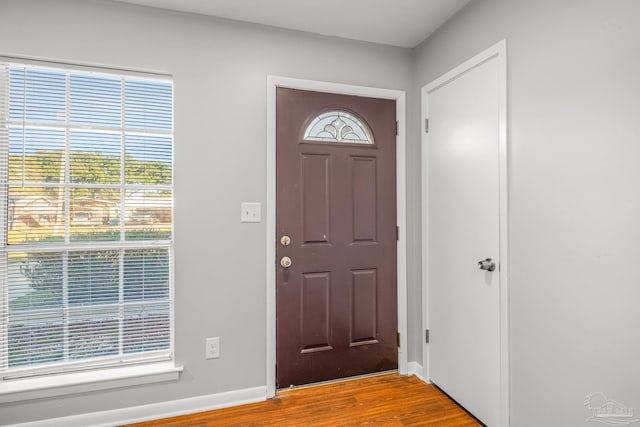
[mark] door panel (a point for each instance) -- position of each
(364, 195)
(315, 196)
(336, 305)
(315, 328)
(464, 221)
(364, 307)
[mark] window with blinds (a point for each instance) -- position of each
(86, 198)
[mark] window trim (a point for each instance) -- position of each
(93, 380)
(70, 377)
(95, 68)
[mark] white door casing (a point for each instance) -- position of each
(465, 220)
(274, 82)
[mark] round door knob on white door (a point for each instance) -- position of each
(487, 264)
(285, 262)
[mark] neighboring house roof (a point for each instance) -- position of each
(30, 200)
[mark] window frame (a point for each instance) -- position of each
(148, 364)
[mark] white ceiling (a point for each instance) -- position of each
(403, 23)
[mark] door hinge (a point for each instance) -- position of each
(396, 128)
(397, 233)
(426, 125)
(426, 336)
(398, 338)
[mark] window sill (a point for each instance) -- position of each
(81, 382)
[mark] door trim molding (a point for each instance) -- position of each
(499, 51)
(274, 82)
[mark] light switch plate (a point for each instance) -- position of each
(250, 212)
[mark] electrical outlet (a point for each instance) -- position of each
(212, 348)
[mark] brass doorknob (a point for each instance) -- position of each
(285, 262)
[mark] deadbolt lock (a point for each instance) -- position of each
(285, 240)
(285, 262)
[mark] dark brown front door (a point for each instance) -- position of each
(336, 224)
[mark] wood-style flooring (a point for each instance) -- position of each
(384, 400)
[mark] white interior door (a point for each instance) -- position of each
(463, 167)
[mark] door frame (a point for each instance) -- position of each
(273, 82)
(499, 51)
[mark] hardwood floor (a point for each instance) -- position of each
(385, 400)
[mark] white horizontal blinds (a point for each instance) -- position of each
(4, 138)
(146, 299)
(36, 309)
(88, 219)
(95, 100)
(149, 107)
(95, 164)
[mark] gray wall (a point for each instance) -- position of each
(220, 70)
(574, 81)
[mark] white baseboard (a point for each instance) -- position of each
(415, 368)
(156, 411)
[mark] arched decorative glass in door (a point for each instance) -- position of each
(338, 126)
